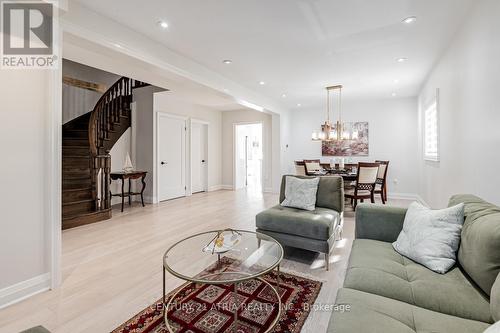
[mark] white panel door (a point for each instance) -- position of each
(199, 142)
(171, 157)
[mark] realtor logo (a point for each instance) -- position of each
(28, 34)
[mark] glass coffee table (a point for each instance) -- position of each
(224, 257)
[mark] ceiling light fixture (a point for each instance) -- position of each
(299, 105)
(163, 24)
(396, 81)
(393, 94)
(118, 46)
(329, 131)
(262, 83)
(410, 20)
(227, 61)
(283, 95)
(401, 60)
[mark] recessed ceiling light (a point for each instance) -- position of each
(283, 95)
(393, 94)
(226, 90)
(163, 24)
(396, 81)
(299, 105)
(410, 20)
(118, 46)
(262, 83)
(227, 61)
(402, 59)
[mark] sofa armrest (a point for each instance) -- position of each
(377, 222)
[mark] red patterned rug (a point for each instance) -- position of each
(209, 308)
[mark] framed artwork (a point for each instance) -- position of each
(354, 147)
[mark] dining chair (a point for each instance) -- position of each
(364, 188)
(313, 167)
(381, 186)
(300, 168)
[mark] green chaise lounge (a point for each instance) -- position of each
(310, 230)
(388, 293)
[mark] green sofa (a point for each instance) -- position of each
(310, 230)
(385, 292)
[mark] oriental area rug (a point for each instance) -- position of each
(200, 308)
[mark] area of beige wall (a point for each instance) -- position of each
(229, 119)
(26, 117)
(468, 78)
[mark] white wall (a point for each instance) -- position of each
(77, 101)
(118, 154)
(392, 135)
(468, 77)
(229, 119)
(168, 102)
(25, 118)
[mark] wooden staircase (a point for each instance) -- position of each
(86, 163)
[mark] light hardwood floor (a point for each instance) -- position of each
(112, 269)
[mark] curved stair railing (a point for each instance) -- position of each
(113, 105)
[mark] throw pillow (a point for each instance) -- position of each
(300, 193)
(431, 237)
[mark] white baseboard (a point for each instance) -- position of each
(214, 188)
(406, 196)
(23, 290)
(227, 187)
(268, 190)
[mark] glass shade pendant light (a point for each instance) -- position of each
(329, 131)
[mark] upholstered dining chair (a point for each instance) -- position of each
(300, 168)
(364, 188)
(381, 186)
(313, 167)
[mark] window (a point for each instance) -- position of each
(431, 133)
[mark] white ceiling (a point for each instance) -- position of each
(299, 46)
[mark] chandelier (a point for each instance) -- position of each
(337, 131)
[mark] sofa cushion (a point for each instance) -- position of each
(376, 314)
(479, 252)
(317, 224)
(495, 299)
(330, 192)
(375, 267)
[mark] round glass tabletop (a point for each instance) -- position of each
(219, 257)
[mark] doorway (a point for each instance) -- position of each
(248, 156)
(199, 156)
(171, 157)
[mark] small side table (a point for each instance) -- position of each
(129, 175)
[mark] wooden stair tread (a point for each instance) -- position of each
(87, 188)
(77, 202)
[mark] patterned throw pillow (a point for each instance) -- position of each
(431, 237)
(300, 193)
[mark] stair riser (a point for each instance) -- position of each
(79, 134)
(70, 184)
(83, 143)
(71, 196)
(78, 163)
(75, 177)
(75, 151)
(79, 208)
